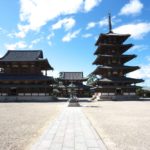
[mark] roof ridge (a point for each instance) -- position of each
(23, 50)
(34, 54)
(72, 71)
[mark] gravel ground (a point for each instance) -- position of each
(22, 123)
(121, 125)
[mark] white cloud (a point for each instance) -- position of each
(90, 4)
(103, 22)
(17, 45)
(35, 13)
(132, 8)
(49, 38)
(137, 30)
(135, 74)
(35, 41)
(53, 73)
(91, 25)
(139, 48)
(87, 35)
(143, 73)
(20, 34)
(50, 35)
(23, 29)
(71, 35)
(50, 43)
(67, 23)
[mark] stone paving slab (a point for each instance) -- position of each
(70, 131)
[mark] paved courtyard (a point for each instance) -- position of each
(22, 123)
(122, 125)
(47, 126)
(71, 131)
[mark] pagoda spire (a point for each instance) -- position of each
(110, 24)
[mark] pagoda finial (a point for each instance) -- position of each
(109, 22)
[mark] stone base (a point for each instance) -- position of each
(28, 98)
(73, 103)
(119, 97)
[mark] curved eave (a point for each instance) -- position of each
(120, 37)
(119, 80)
(103, 48)
(104, 58)
(46, 65)
(73, 80)
(25, 77)
(126, 69)
(39, 54)
(7, 53)
(115, 87)
(82, 86)
(24, 86)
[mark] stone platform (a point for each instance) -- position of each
(28, 98)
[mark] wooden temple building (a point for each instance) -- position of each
(21, 74)
(112, 69)
(75, 79)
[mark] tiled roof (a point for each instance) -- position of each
(106, 58)
(71, 76)
(26, 56)
(22, 55)
(120, 37)
(4, 77)
(23, 86)
(120, 79)
(103, 48)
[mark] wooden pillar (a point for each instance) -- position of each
(45, 91)
(46, 72)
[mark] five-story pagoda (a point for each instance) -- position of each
(111, 67)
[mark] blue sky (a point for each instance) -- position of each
(66, 30)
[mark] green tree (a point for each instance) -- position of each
(91, 79)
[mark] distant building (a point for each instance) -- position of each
(111, 67)
(76, 79)
(22, 74)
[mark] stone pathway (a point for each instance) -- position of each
(70, 131)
